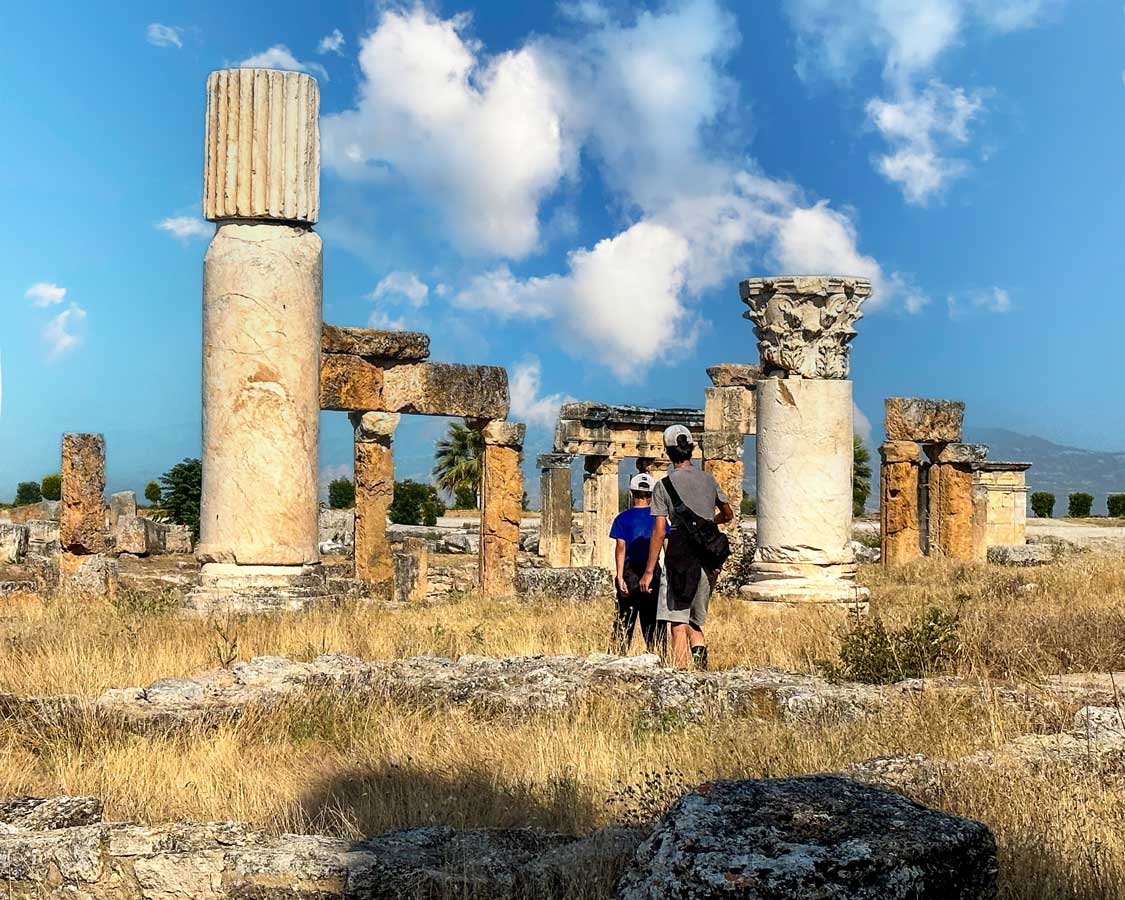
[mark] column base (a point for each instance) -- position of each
(228, 587)
(834, 585)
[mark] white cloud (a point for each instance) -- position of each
(331, 43)
(58, 334)
(993, 300)
(185, 227)
(586, 12)
(402, 286)
(861, 425)
(45, 293)
(527, 405)
(482, 137)
(281, 57)
(380, 319)
(164, 35)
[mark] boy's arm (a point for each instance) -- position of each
(655, 545)
(619, 554)
(725, 513)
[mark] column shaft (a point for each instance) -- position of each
(501, 507)
(556, 510)
(898, 502)
(374, 491)
(600, 502)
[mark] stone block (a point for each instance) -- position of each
(123, 503)
(959, 454)
(43, 537)
(43, 510)
(92, 573)
(723, 445)
(178, 539)
(504, 434)
(350, 383)
(734, 375)
(262, 146)
(729, 409)
(82, 517)
(923, 421)
(402, 346)
(900, 452)
(411, 566)
(354, 384)
(501, 498)
(581, 585)
(13, 542)
(139, 536)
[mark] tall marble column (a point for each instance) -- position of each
(804, 325)
(374, 491)
(261, 340)
(501, 506)
(600, 503)
(898, 502)
(556, 509)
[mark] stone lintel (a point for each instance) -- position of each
(723, 445)
(592, 414)
(996, 465)
(554, 460)
(923, 420)
(262, 146)
(354, 384)
(734, 375)
(900, 452)
(504, 434)
(374, 426)
(403, 346)
(958, 454)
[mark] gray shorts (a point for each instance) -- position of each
(695, 614)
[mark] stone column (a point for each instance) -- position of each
(261, 340)
(898, 502)
(556, 509)
(412, 571)
(804, 448)
(501, 499)
(374, 491)
(83, 538)
(957, 513)
(652, 466)
(600, 503)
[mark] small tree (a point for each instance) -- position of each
(183, 491)
(152, 492)
(457, 459)
(861, 476)
(465, 498)
(341, 493)
(51, 487)
(1079, 505)
(28, 492)
(1043, 504)
(415, 504)
(1115, 505)
(749, 505)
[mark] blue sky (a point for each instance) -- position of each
(573, 191)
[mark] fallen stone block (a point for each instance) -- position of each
(139, 536)
(818, 836)
(923, 421)
(121, 504)
(13, 543)
(581, 585)
(43, 537)
(178, 539)
(1021, 555)
(961, 454)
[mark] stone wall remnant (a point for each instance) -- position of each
(501, 504)
(374, 491)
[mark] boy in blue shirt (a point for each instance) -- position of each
(632, 532)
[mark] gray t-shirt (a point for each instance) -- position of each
(698, 489)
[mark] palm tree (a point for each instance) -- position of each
(457, 460)
(861, 476)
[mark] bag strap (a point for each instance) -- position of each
(678, 506)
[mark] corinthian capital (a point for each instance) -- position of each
(804, 323)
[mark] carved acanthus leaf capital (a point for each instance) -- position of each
(804, 324)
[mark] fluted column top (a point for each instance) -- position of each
(262, 146)
(804, 323)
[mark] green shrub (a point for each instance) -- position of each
(465, 498)
(871, 653)
(415, 504)
(51, 487)
(28, 492)
(183, 491)
(1115, 504)
(749, 505)
(1043, 504)
(341, 494)
(152, 492)
(1079, 504)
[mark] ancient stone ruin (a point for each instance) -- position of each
(941, 497)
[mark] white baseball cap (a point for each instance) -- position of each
(673, 433)
(641, 482)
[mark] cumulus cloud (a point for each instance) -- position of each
(331, 43)
(45, 293)
(526, 403)
(58, 334)
(281, 57)
(185, 227)
(923, 120)
(404, 286)
(164, 35)
(993, 300)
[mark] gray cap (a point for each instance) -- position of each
(673, 433)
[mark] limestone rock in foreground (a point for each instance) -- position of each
(819, 837)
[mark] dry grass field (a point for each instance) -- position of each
(347, 767)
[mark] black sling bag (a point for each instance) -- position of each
(709, 543)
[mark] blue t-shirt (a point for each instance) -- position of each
(634, 527)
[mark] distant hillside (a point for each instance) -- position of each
(1056, 468)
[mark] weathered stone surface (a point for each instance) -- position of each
(350, 383)
(374, 490)
(139, 536)
(13, 543)
(600, 503)
(729, 409)
(88, 573)
(959, 454)
(817, 836)
(1005, 488)
(728, 445)
(923, 421)
(898, 502)
(82, 514)
(734, 375)
(178, 539)
(461, 542)
(804, 323)
(123, 503)
(564, 583)
(955, 531)
(45, 510)
(403, 346)
(38, 814)
(43, 537)
(353, 384)
(262, 146)
(1022, 554)
(501, 500)
(556, 508)
(411, 568)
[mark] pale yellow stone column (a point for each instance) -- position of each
(898, 502)
(804, 325)
(261, 339)
(556, 517)
(652, 466)
(501, 501)
(957, 503)
(374, 491)
(600, 503)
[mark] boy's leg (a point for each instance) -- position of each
(647, 615)
(699, 606)
(681, 645)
